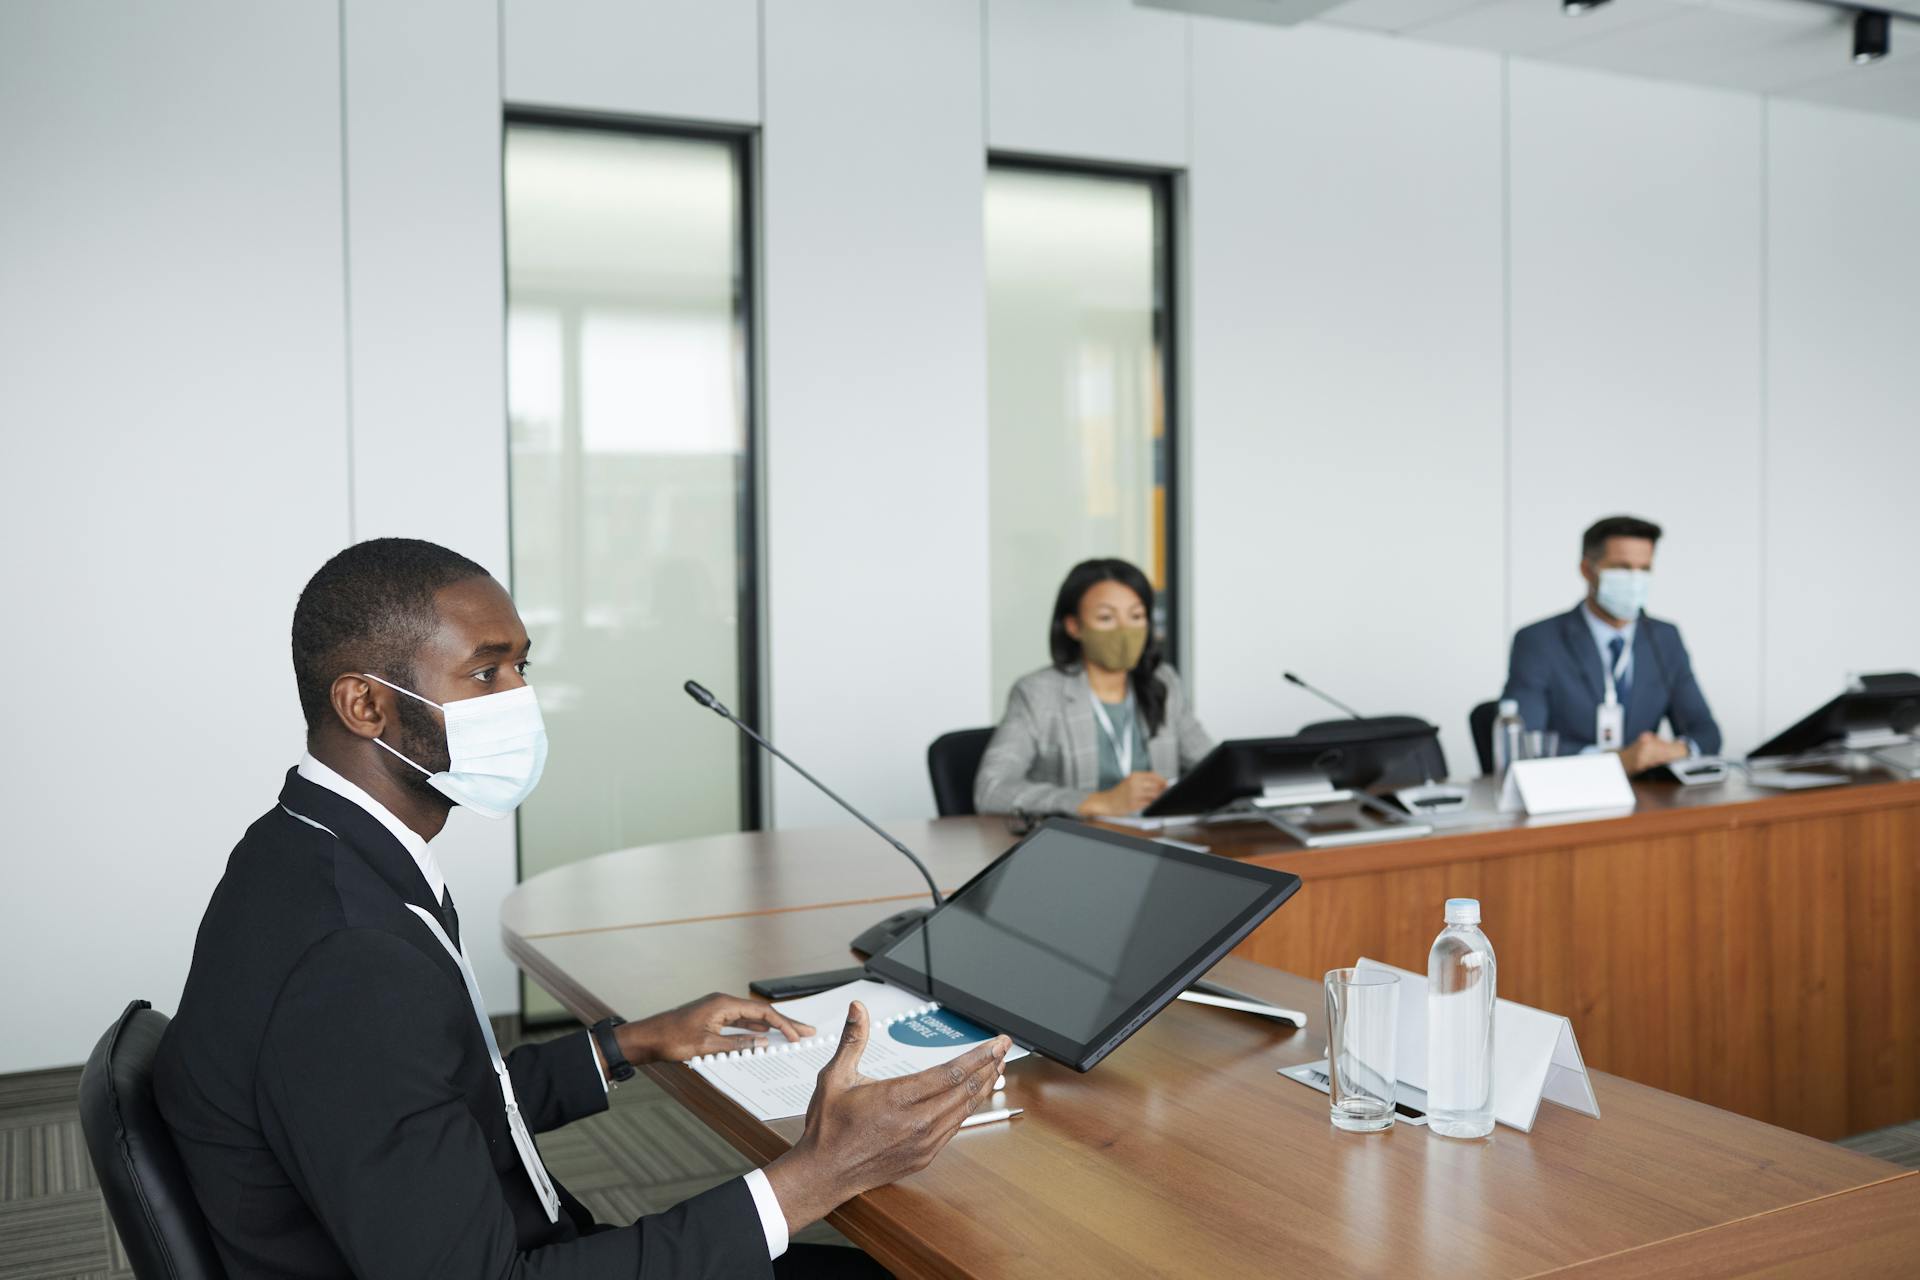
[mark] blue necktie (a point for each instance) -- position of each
(1623, 684)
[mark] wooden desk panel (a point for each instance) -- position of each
(1869, 1233)
(1761, 954)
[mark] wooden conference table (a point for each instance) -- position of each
(1184, 1153)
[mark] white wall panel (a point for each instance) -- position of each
(1087, 79)
(425, 297)
(171, 348)
(1636, 353)
(876, 440)
(678, 59)
(1843, 402)
(1346, 371)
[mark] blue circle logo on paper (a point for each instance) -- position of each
(937, 1029)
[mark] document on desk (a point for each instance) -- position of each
(906, 1033)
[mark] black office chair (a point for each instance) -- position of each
(1480, 725)
(952, 761)
(141, 1177)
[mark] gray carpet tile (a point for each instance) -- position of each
(1900, 1144)
(50, 1236)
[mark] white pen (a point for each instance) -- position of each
(988, 1117)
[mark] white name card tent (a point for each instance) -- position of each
(1566, 784)
(1535, 1056)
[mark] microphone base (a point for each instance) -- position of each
(870, 940)
(879, 937)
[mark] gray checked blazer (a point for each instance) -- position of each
(1045, 756)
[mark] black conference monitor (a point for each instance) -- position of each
(1394, 751)
(1074, 938)
(1888, 702)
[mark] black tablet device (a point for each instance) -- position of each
(1073, 938)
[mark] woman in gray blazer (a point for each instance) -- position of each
(1102, 731)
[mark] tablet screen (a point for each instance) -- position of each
(1077, 932)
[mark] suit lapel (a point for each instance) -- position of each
(395, 880)
(1586, 658)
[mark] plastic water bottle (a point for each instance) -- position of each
(1509, 731)
(1460, 993)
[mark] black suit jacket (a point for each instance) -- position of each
(332, 1097)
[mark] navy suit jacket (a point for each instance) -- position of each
(1556, 676)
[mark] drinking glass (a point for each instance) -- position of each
(1541, 744)
(1363, 1013)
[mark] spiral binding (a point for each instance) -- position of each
(811, 1042)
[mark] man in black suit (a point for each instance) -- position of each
(330, 1077)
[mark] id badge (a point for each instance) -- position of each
(530, 1157)
(1609, 726)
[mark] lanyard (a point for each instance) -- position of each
(516, 1123)
(1122, 749)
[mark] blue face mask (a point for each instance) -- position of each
(496, 749)
(1623, 592)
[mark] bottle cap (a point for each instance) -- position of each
(1463, 911)
(1509, 707)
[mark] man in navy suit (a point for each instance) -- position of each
(1562, 667)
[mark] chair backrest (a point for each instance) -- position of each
(952, 761)
(1480, 725)
(141, 1177)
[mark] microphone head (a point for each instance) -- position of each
(698, 692)
(1293, 679)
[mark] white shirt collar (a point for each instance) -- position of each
(321, 775)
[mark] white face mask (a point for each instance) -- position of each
(1623, 592)
(496, 748)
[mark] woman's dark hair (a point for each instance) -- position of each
(1148, 693)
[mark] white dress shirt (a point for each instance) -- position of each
(773, 1220)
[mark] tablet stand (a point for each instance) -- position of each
(1281, 808)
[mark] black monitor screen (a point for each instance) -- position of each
(1075, 936)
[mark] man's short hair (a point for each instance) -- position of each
(369, 609)
(1593, 543)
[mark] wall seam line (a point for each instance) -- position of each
(1506, 343)
(1766, 337)
(346, 276)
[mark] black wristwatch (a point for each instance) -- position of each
(619, 1070)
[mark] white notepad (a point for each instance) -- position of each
(906, 1033)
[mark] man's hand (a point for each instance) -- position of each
(694, 1029)
(1129, 795)
(864, 1133)
(1649, 751)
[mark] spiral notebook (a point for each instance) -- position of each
(908, 1033)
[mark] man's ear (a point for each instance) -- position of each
(1587, 572)
(358, 706)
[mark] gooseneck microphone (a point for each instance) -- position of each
(1329, 699)
(893, 926)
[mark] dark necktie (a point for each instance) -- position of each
(1623, 683)
(450, 917)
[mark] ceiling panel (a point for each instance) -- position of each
(1395, 15)
(1791, 48)
(1539, 26)
(1751, 48)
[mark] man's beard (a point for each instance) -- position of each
(422, 741)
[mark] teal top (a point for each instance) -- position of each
(1124, 721)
